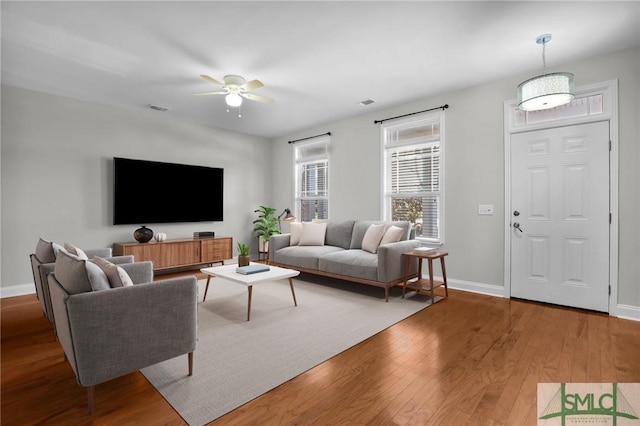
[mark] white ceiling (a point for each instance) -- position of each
(316, 59)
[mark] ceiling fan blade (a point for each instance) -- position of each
(258, 98)
(211, 93)
(211, 80)
(252, 85)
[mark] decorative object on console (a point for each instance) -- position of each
(265, 226)
(547, 90)
(143, 235)
(204, 234)
(243, 254)
(288, 217)
(160, 237)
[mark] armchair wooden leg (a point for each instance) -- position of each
(190, 357)
(90, 392)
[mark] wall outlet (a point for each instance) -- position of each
(486, 209)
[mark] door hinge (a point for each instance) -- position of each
(609, 146)
(609, 290)
(609, 218)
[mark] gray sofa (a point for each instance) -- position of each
(108, 333)
(341, 256)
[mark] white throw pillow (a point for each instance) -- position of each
(372, 238)
(392, 235)
(312, 234)
(295, 233)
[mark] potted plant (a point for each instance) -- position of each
(243, 254)
(265, 226)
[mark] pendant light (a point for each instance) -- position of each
(547, 90)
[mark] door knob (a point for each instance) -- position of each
(517, 226)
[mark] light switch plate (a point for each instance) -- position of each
(485, 209)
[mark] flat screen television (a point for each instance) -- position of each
(148, 192)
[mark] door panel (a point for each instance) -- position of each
(560, 189)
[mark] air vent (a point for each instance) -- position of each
(366, 102)
(159, 108)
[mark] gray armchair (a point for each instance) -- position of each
(109, 333)
(42, 264)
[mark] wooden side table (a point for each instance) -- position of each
(422, 283)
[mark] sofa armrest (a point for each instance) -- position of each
(100, 252)
(124, 329)
(140, 272)
(276, 242)
(390, 260)
(44, 270)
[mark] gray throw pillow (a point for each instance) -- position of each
(73, 275)
(46, 251)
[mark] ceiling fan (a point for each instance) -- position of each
(235, 88)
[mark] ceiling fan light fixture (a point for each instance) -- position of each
(547, 90)
(233, 100)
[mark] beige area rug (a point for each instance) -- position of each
(237, 361)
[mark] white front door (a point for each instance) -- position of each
(560, 216)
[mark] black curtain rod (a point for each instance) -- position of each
(443, 107)
(310, 137)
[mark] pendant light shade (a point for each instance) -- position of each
(547, 90)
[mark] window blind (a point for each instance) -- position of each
(412, 152)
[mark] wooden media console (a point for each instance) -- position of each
(178, 253)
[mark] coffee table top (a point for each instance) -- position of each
(229, 272)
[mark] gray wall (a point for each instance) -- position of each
(56, 176)
(57, 173)
(474, 170)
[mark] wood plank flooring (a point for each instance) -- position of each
(470, 359)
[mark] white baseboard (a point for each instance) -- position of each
(622, 311)
(17, 290)
(473, 287)
(628, 312)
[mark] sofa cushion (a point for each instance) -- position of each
(302, 256)
(352, 263)
(392, 235)
(117, 276)
(313, 234)
(46, 251)
(339, 233)
(295, 232)
(372, 238)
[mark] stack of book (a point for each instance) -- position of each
(251, 269)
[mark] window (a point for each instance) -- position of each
(312, 179)
(413, 174)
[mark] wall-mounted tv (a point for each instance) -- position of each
(155, 192)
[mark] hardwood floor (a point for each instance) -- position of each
(471, 359)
